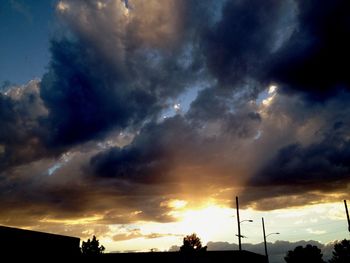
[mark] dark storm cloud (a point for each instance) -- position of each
(295, 164)
(313, 60)
(85, 97)
(292, 43)
(108, 77)
(21, 111)
(152, 154)
(210, 105)
(32, 192)
(87, 92)
(102, 77)
(161, 150)
(238, 118)
(324, 159)
(302, 170)
(301, 174)
(31, 198)
(238, 46)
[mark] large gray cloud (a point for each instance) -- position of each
(312, 61)
(239, 46)
(21, 112)
(313, 160)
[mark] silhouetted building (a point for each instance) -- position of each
(44, 247)
(20, 243)
(179, 257)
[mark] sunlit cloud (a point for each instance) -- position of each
(272, 90)
(177, 107)
(101, 5)
(63, 160)
(174, 204)
(62, 6)
(316, 232)
(80, 221)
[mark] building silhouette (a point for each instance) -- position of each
(179, 257)
(20, 243)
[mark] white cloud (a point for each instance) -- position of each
(315, 232)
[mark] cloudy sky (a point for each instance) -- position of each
(140, 121)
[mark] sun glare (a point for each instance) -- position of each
(206, 222)
(178, 204)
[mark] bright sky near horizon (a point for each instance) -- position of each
(324, 223)
(140, 121)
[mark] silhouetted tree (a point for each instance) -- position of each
(92, 247)
(192, 243)
(308, 254)
(341, 252)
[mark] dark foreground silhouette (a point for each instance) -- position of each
(18, 245)
(307, 254)
(192, 243)
(341, 252)
(179, 257)
(92, 247)
(312, 254)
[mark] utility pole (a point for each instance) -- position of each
(263, 226)
(265, 236)
(239, 225)
(347, 214)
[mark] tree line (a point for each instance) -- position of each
(300, 254)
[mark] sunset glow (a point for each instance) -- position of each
(141, 121)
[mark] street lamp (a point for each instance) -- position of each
(239, 235)
(239, 225)
(265, 236)
(272, 234)
(248, 220)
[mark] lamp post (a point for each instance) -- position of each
(265, 236)
(347, 214)
(248, 220)
(239, 225)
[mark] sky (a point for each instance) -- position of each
(26, 28)
(140, 121)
